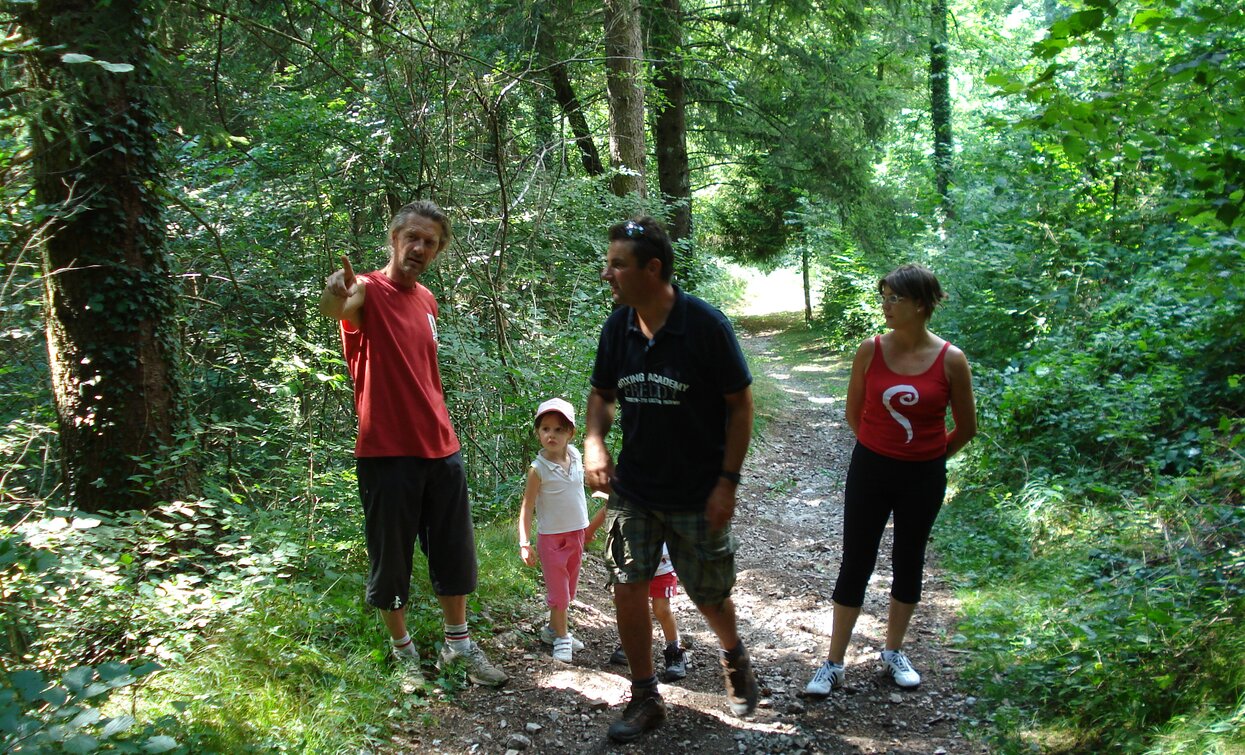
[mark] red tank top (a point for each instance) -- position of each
(905, 416)
(392, 359)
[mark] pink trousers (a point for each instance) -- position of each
(560, 557)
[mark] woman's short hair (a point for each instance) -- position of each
(915, 282)
(426, 209)
(649, 240)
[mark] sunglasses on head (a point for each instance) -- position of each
(633, 230)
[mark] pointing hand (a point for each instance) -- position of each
(349, 273)
(342, 283)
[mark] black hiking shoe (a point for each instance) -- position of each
(676, 663)
(618, 657)
(645, 712)
(741, 684)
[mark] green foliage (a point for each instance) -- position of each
(763, 154)
(1095, 272)
(40, 715)
(257, 620)
(125, 586)
(1065, 631)
(848, 305)
(1152, 123)
(709, 278)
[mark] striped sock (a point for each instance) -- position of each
(457, 637)
(404, 646)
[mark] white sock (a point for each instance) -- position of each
(457, 637)
(405, 646)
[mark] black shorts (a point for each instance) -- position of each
(407, 499)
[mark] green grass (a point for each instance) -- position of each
(1092, 639)
(304, 665)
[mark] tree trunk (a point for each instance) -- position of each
(808, 285)
(670, 119)
(109, 297)
(940, 102)
(623, 52)
(564, 93)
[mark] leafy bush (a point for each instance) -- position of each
(87, 598)
(848, 309)
(39, 715)
(1064, 630)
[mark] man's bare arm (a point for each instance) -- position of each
(720, 507)
(598, 466)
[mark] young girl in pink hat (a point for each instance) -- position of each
(555, 494)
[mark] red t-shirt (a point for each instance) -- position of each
(392, 359)
(905, 416)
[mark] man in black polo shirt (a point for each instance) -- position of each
(673, 364)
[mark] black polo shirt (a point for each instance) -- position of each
(670, 396)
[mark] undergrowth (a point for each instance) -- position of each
(225, 629)
(1105, 630)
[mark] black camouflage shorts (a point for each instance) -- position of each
(704, 560)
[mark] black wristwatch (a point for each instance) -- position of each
(732, 476)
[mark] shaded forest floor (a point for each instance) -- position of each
(789, 528)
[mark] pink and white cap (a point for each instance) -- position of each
(561, 406)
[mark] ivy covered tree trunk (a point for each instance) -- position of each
(670, 117)
(940, 102)
(109, 298)
(623, 51)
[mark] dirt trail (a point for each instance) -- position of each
(789, 528)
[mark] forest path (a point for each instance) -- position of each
(789, 527)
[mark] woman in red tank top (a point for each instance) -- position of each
(901, 386)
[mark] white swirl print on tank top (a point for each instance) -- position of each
(908, 396)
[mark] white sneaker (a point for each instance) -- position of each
(900, 668)
(547, 636)
(412, 676)
(829, 676)
(479, 669)
(562, 648)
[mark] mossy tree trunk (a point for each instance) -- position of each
(623, 52)
(110, 300)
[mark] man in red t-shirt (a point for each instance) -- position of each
(411, 477)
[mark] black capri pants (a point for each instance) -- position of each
(878, 486)
(407, 500)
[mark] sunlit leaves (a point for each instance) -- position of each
(45, 716)
(1167, 103)
(75, 57)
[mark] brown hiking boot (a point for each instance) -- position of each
(645, 711)
(741, 684)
